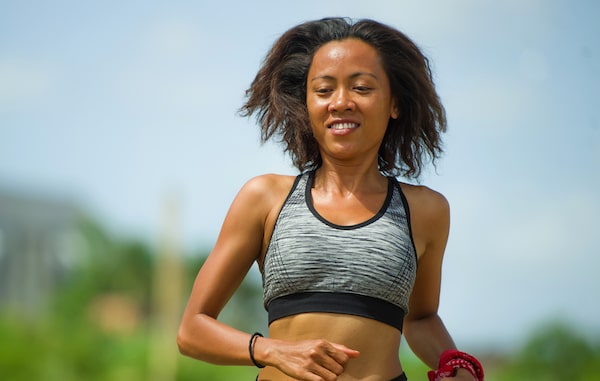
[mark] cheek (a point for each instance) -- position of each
(315, 109)
(312, 117)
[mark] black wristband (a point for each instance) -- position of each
(251, 348)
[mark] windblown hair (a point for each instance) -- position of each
(277, 95)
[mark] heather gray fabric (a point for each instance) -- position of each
(306, 253)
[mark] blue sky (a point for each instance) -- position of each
(120, 105)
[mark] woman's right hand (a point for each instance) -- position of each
(307, 360)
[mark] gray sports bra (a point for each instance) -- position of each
(313, 265)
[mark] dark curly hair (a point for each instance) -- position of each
(277, 96)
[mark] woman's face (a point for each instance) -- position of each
(349, 100)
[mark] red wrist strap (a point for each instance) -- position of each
(453, 359)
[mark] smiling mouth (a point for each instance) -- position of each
(343, 126)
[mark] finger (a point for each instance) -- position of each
(331, 357)
(337, 356)
(328, 362)
(352, 353)
(326, 374)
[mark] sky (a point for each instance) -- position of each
(121, 105)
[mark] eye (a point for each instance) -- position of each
(363, 89)
(323, 90)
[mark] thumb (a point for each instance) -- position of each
(352, 353)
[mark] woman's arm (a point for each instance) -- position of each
(239, 244)
(423, 328)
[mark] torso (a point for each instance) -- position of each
(378, 342)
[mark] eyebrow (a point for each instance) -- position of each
(354, 75)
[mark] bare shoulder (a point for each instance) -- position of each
(424, 200)
(429, 215)
(251, 214)
(269, 181)
(263, 195)
(268, 186)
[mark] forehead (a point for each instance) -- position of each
(346, 54)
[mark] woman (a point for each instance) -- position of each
(351, 259)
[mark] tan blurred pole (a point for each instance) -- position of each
(167, 295)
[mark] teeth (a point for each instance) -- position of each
(343, 126)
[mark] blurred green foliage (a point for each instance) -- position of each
(555, 352)
(99, 327)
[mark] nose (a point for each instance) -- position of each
(340, 102)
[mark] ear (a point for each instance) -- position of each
(395, 112)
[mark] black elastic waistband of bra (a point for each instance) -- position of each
(335, 302)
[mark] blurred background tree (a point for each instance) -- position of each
(98, 322)
(556, 351)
